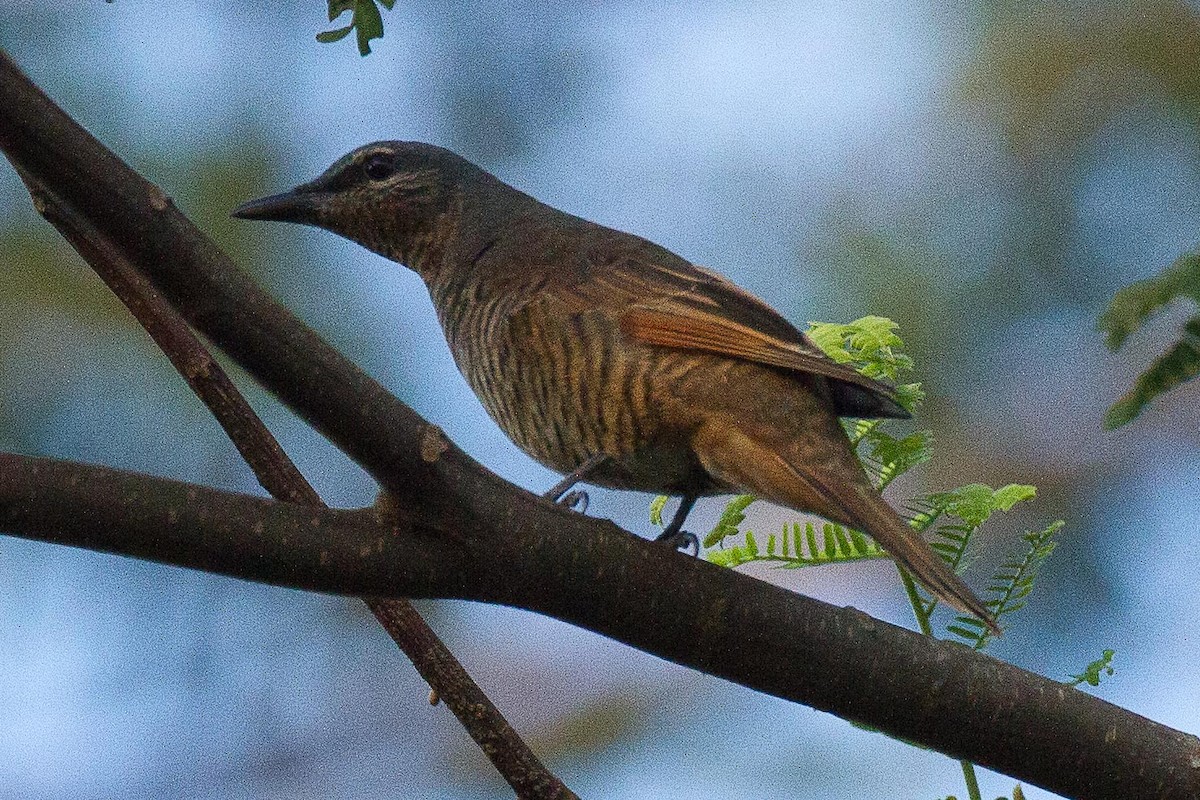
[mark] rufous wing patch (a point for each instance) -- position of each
(692, 329)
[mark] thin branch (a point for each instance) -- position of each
(462, 532)
(279, 475)
(270, 464)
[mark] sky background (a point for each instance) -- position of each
(986, 174)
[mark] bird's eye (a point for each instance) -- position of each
(379, 167)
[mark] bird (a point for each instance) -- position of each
(611, 359)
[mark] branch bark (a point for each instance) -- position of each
(463, 532)
(938, 694)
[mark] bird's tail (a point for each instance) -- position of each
(832, 484)
(869, 512)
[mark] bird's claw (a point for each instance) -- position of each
(681, 540)
(576, 500)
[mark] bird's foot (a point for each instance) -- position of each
(680, 540)
(562, 494)
(575, 500)
(674, 535)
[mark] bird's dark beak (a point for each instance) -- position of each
(298, 205)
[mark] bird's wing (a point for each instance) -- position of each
(671, 303)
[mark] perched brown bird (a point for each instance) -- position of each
(607, 357)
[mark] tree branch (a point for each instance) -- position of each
(463, 532)
(939, 694)
(511, 756)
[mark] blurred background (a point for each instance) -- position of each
(986, 174)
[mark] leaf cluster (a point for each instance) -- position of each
(870, 343)
(365, 21)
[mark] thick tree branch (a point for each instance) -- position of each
(939, 694)
(462, 532)
(511, 756)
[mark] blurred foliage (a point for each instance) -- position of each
(1052, 77)
(997, 235)
(531, 77)
(584, 732)
(596, 726)
(365, 21)
(65, 339)
(42, 273)
(1132, 306)
(43, 284)
(1054, 73)
(214, 179)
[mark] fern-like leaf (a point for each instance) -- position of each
(1136, 303)
(731, 518)
(801, 545)
(1009, 587)
(893, 457)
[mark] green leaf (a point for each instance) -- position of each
(909, 396)
(975, 502)
(1011, 583)
(1008, 496)
(897, 456)
(869, 343)
(1093, 672)
(810, 538)
(1178, 365)
(1136, 303)
(731, 518)
(962, 632)
(325, 37)
(725, 558)
(858, 541)
(972, 504)
(656, 509)
(339, 7)
(366, 22)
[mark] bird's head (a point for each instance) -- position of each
(390, 197)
